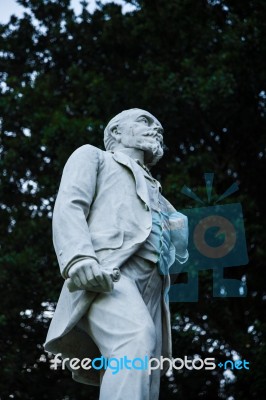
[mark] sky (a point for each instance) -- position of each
(9, 7)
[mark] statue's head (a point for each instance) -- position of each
(136, 128)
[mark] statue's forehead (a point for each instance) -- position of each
(135, 113)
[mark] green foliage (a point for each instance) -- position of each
(199, 67)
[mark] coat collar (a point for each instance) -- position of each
(141, 186)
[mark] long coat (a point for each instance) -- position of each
(102, 211)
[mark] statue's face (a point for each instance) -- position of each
(141, 130)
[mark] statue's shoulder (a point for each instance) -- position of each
(89, 152)
(87, 149)
(84, 156)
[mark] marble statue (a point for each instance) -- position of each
(115, 237)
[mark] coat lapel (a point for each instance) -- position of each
(141, 186)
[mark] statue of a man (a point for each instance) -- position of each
(110, 214)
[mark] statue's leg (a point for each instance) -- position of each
(127, 323)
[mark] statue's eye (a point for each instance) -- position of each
(145, 120)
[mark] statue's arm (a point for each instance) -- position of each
(179, 233)
(71, 236)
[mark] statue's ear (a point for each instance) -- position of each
(115, 133)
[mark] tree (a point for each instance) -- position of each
(199, 67)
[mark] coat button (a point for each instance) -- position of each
(116, 275)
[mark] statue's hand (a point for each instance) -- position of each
(87, 275)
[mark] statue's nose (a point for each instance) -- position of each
(158, 129)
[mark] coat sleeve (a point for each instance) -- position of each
(71, 236)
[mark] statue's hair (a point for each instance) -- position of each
(109, 141)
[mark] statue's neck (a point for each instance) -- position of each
(136, 154)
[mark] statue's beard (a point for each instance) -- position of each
(153, 153)
(150, 142)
